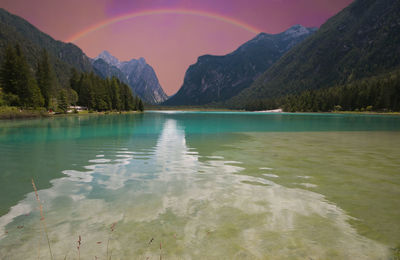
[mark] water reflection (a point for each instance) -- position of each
(42, 149)
(157, 181)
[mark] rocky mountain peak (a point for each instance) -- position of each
(142, 60)
(298, 30)
(139, 75)
(110, 59)
(218, 78)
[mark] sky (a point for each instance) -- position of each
(169, 34)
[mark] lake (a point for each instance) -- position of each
(201, 185)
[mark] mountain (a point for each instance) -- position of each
(63, 56)
(143, 80)
(139, 75)
(218, 78)
(361, 41)
(106, 70)
(107, 57)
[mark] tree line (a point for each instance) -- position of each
(24, 87)
(100, 94)
(379, 93)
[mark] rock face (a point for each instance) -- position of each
(218, 78)
(143, 80)
(105, 70)
(139, 75)
(359, 42)
(108, 58)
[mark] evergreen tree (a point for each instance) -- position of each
(17, 80)
(46, 78)
(63, 101)
(102, 94)
(72, 97)
(127, 102)
(140, 106)
(136, 105)
(2, 102)
(8, 72)
(74, 80)
(86, 95)
(131, 101)
(33, 97)
(115, 94)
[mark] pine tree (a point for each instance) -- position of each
(63, 101)
(102, 94)
(86, 94)
(45, 78)
(136, 104)
(72, 96)
(8, 72)
(74, 80)
(115, 94)
(140, 106)
(131, 101)
(17, 80)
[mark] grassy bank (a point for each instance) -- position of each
(16, 113)
(7, 113)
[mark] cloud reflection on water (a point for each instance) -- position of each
(200, 209)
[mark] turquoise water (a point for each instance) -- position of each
(204, 185)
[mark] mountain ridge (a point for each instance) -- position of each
(215, 79)
(360, 41)
(138, 74)
(63, 56)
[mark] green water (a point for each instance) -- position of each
(203, 185)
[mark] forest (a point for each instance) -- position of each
(35, 88)
(379, 93)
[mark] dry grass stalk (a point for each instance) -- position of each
(79, 247)
(108, 241)
(160, 251)
(42, 219)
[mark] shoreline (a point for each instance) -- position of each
(17, 114)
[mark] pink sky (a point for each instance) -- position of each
(169, 42)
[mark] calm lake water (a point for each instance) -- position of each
(201, 185)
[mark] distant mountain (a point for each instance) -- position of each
(218, 78)
(143, 80)
(361, 41)
(107, 57)
(106, 70)
(139, 75)
(63, 56)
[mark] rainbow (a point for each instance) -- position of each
(125, 17)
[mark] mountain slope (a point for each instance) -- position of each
(108, 58)
(106, 70)
(139, 75)
(63, 56)
(143, 80)
(361, 41)
(217, 78)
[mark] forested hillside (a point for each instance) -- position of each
(378, 93)
(218, 78)
(361, 41)
(62, 56)
(24, 87)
